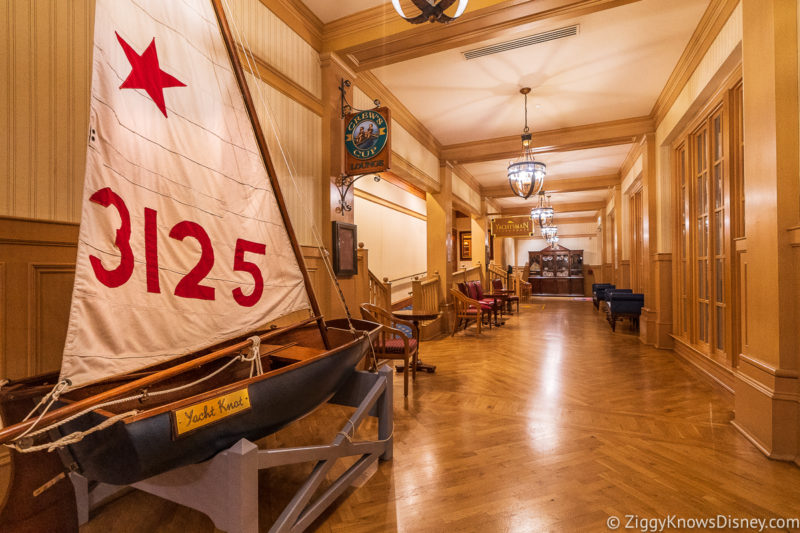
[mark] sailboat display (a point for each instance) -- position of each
(192, 323)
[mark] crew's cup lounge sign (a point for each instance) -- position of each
(366, 141)
(512, 227)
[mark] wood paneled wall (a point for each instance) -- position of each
(297, 157)
(271, 40)
(37, 268)
(44, 106)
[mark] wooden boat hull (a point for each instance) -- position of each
(129, 452)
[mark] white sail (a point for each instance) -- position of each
(182, 244)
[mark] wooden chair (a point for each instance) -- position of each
(466, 309)
(392, 342)
(497, 285)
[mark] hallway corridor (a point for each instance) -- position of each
(549, 423)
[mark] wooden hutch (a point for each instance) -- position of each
(556, 271)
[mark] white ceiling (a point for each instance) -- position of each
(328, 10)
(615, 68)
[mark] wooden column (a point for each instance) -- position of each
(333, 71)
(766, 380)
(656, 320)
(479, 233)
(441, 245)
(617, 239)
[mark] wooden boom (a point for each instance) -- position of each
(10, 433)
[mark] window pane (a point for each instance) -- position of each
(720, 284)
(718, 138)
(718, 185)
(703, 315)
(720, 328)
(682, 168)
(685, 315)
(701, 280)
(701, 245)
(718, 234)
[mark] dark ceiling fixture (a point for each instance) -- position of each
(526, 175)
(431, 10)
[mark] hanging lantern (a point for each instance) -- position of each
(543, 213)
(548, 232)
(526, 175)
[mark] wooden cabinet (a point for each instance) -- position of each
(556, 270)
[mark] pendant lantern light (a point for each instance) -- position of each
(526, 175)
(543, 213)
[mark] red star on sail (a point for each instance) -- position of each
(146, 74)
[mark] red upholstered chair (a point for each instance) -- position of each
(497, 285)
(476, 293)
(487, 308)
(393, 343)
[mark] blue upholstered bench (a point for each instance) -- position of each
(598, 292)
(623, 303)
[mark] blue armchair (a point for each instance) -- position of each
(624, 304)
(598, 292)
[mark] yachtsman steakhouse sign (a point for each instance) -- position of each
(521, 226)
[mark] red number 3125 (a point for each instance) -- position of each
(190, 285)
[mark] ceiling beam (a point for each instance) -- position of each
(574, 220)
(473, 27)
(596, 135)
(554, 186)
(559, 208)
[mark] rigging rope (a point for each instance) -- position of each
(143, 395)
(287, 159)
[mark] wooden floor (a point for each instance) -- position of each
(549, 423)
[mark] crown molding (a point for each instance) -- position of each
(591, 183)
(633, 154)
(374, 88)
(386, 203)
(300, 19)
(560, 208)
(380, 21)
(277, 80)
(716, 15)
(597, 135)
(472, 27)
(467, 177)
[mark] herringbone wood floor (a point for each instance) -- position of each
(549, 423)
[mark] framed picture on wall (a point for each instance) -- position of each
(345, 258)
(465, 240)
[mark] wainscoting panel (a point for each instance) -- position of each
(35, 290)
(49, 293)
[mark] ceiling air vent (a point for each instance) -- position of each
(543, 37)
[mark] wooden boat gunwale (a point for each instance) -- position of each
(246, 382)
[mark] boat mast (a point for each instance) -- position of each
(265, 155)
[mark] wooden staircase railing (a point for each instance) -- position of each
(474, 273)
(425, 294)
(380, 292)
(496, 271)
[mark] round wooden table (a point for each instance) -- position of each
(416, 317)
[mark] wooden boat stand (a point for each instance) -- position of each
(225, 488)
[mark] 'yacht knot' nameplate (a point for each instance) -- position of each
(210, 411)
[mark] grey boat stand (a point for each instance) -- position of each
(226, 487)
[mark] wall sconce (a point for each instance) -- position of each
(344, 183)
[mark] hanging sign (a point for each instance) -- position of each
(367, 142)
(512, 227)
